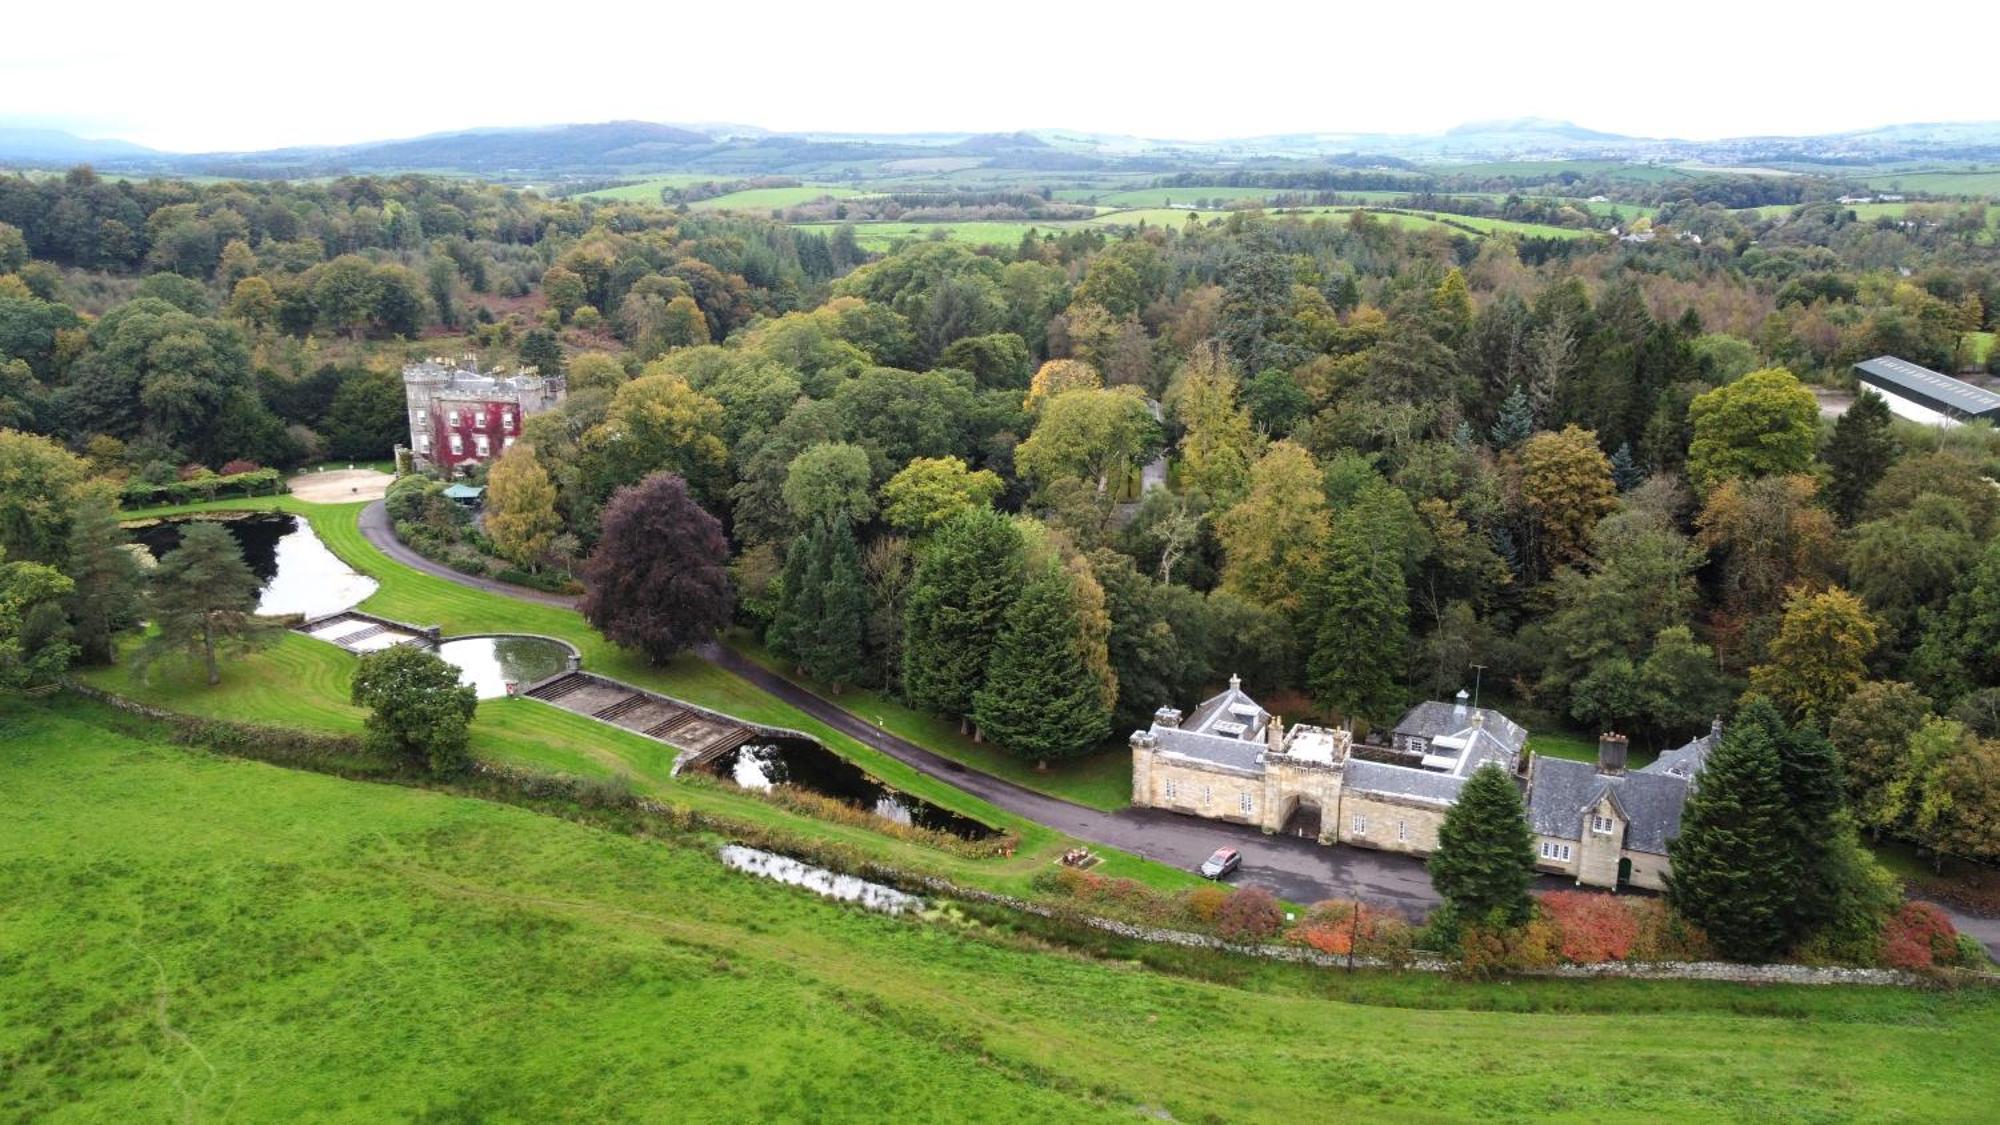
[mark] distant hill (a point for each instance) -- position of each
(632, 148)
(53, 145)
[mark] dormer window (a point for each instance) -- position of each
(1600, 825)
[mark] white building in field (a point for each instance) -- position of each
(1926, 396)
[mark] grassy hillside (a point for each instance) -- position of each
(196, 937)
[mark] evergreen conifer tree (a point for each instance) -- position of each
(204, 601)
(1735, 866)
(1485, 856)
(818, 625)
(1360, 609)
(969, 573)
(1860, 450)
(1625, 470)
(105, 600)
(1042, 699)
(1516, 421)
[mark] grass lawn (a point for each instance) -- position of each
(1985, 182)
(302, 682)
(882, 236)
(197, 937)
(1102, 781)
(1979, 347)
(1581, 748)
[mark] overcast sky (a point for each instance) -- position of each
(211, 75)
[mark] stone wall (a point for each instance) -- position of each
(1374, 821)
(1197, 790)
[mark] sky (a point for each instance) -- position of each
(210, 75)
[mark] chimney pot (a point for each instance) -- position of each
(1611, 750)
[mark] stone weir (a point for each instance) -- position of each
(699, 734)
(356, 631)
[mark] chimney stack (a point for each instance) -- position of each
(1611, 753)
(1459, 708)
(1167, 717)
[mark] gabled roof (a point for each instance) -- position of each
(1434, 719)
(1930, 387)
(1227, 729)
(1561, 792)
(1686, 761)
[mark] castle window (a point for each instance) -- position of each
(457, 445)
(507, 442)
(420, 420)
(506, 419)
(451, 419)
(423, 443)
(1360, 824)
(1243, 801)
(479, 444)
(1600, 825)
(479, 420)
(1173, 789)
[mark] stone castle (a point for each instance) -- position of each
(461, 417)
(1233, 760)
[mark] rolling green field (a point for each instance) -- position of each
(196, 937)
(764, 199)
(881, 236)
(644, 191)
(1981, 183)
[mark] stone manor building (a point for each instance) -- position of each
(1233, 760)
(461, 417)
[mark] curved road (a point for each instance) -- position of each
(1295, 869)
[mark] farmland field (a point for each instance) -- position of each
(764, 199)
(1985, 183)
(197, 937)
(644, 191)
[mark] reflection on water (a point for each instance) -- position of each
(299, 574)
(808, 765)
(491, 663)
(819, 880)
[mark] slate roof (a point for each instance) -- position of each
(1435, 719)
(1686, 761)
(1931, 388)
(1561, 792)
(1201, 736)
(1383, 779)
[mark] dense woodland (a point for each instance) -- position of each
(1597, 472)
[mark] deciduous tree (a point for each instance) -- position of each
(1820, 655)
(418, 709)
(658, 580)
(1764, 424)
(930, 490)
(1272, 540)
(521, 514)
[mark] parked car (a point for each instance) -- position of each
(1221, 864)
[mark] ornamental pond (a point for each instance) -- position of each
(808, 765)
(299, 574)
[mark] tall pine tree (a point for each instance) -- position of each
(1360, 610)
(968, 575)
(1860, 450)
(105, 600)
(1735, 865)
(1485, 856)
(204, 602)
(1044, 697)
(822, 605)
(1516, 421)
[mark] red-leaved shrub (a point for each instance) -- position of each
(1919, 937)
(1339, 927)
(1591, 927)
(231, 468)
(1250, 914)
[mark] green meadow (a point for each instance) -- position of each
(195, 937)
(1971, 182)
(764, 199)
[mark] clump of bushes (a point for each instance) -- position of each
(203, 485)
(1919, 938)
(440, 530)
(1341, 928)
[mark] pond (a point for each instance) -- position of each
(491, 663)
(298, 572)
(808, 765)
(846, 888)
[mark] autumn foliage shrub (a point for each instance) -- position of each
(1918, 937)
(1203, 905)
(1338, 927)
(1250, 914)
(239, 467)
(1591, 927)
